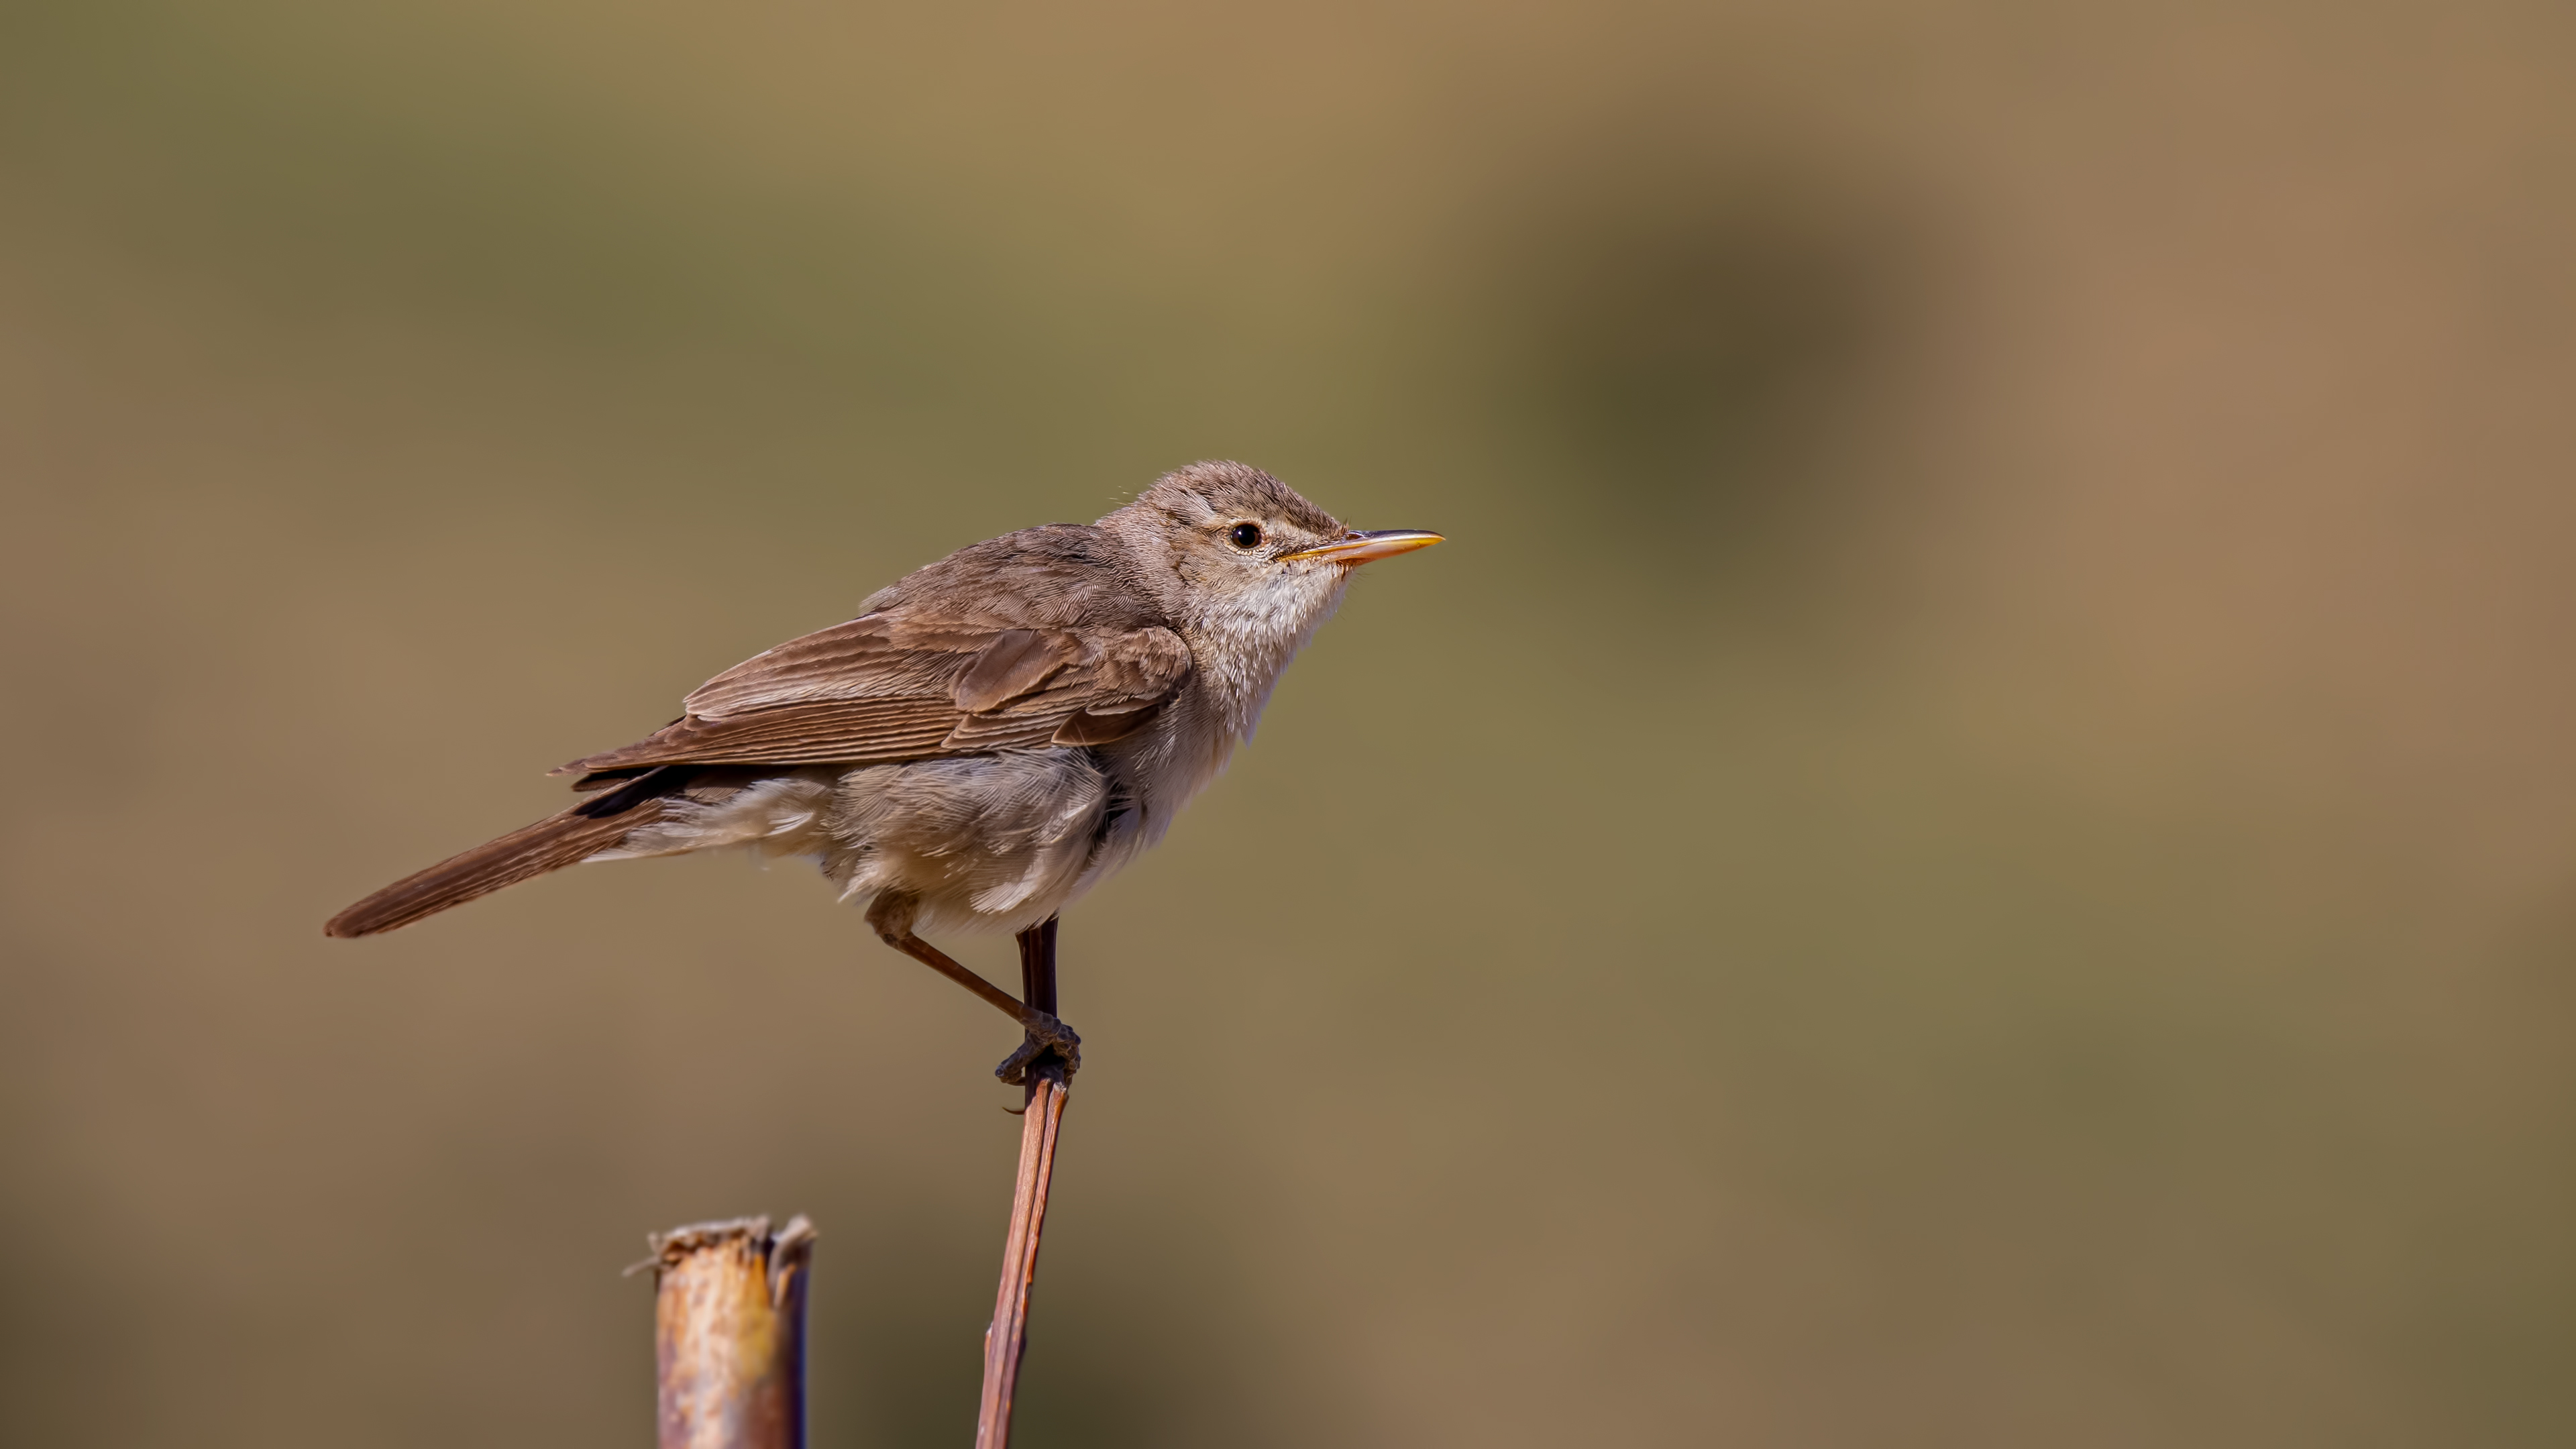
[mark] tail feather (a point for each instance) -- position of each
(550, 844)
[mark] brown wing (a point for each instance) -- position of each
(882, 687)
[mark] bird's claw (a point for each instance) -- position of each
(1047, 1036)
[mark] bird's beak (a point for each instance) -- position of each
(1356, 547)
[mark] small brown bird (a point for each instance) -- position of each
(989, 739)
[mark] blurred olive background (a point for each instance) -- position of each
(1973, 842)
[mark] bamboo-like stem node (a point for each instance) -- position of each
(729, 1333)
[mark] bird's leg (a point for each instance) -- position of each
(1037, 988)
(892, 916)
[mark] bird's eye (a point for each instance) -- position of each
(1246, 535)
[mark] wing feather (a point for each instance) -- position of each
(883, 688)
(1017, 661)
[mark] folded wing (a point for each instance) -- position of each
(883, 688)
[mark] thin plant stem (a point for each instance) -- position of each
(1042, 1117)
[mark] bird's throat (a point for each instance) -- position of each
(1241, 646)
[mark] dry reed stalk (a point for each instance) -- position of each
(729, 1334)
(1042, 1117)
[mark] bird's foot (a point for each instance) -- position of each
(1047, 1036)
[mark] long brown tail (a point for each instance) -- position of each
(524, 854)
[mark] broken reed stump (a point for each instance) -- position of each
(729, 1334)
(1042, 1117)
(729, 1298)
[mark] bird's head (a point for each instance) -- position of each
(1236, 555)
